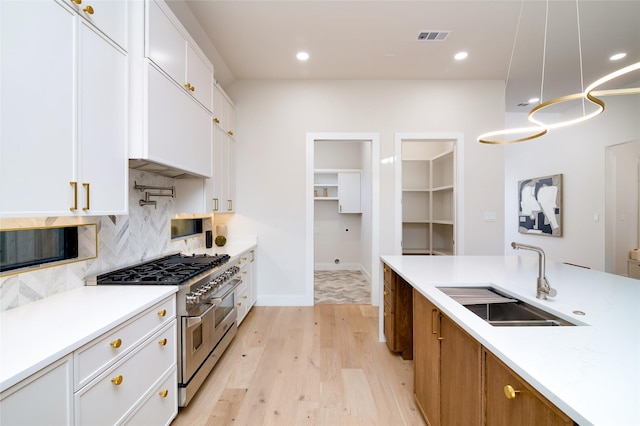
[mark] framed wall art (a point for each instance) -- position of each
(540, 206)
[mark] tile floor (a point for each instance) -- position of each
(341, 287)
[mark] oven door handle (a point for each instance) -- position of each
(191, 321)
(218, 300)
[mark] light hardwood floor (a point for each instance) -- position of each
(320, 365)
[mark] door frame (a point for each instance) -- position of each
(374, 138)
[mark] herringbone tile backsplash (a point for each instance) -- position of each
(122, 240)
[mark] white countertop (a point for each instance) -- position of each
(35, 335)
(591, 371)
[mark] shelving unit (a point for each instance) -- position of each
(428, 201)
(341, 185)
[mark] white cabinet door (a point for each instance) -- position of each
(230, 174)
(179, 129)
(37, 139)
(349, 192)
(45, 398)
(214, 186)
(109, 16)
(165, 44)
(102, 131)
(199, 77)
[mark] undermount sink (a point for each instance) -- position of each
(502, 310)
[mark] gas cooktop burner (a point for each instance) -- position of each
(170, 270)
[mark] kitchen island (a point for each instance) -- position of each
(590, 371)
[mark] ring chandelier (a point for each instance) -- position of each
(540, 128)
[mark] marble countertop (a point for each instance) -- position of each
(39, 333)
(590, 371)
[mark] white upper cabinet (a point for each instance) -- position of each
(176, 55)
(63, 146)
(349, 192)
(109, 16)
(179, 127)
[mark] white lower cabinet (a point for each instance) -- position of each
(45, 398)
(127, 375)
(245, 293)
(114, 394)
(159, 405)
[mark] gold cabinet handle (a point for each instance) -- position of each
(163, 342)
(239, 303)
(244, 297)
(434, 318)
(88, 9)
(75, 196)
(164, 393)
(77, 1)
(229, 205)
(244, 258)
(385, 292)
(216, 120)
(116, 343)
(510, 392)
(215, 205)
(87, 190)
(230, 133)
(190, 87)
(385, 314)
(162, 312)
(116, 380)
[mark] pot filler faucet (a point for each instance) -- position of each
(543, 289)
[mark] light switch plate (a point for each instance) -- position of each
(489, 216)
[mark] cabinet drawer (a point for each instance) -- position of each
(113, 394)
(242, 260)
(160, 405)
(96, 355)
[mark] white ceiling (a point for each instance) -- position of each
(378, 40)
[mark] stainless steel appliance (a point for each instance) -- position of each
(205, 308)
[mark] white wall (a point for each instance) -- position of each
(273, 118)
(578, 152)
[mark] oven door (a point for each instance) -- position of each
(225, 308)
(198, 340)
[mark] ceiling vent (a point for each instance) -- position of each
(433, 35)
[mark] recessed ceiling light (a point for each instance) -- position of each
(302, 56)
(617, 56)
(460, 56)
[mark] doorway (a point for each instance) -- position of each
(322, 183)
(429, 188)
(622, 205)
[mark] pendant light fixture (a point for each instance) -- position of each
(588, 95)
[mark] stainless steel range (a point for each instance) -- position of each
(206, 308)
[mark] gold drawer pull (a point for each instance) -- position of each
(77, 1)
(510, 392)
(244, 297)
(244, 258)
(162, 312)
(88, 9)
(116, 343)
(163, 342)
(164, 393)
(230, 133)
(385, 314)
(116, 380)
(385, 292)
(215, 120)
(239, 304)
